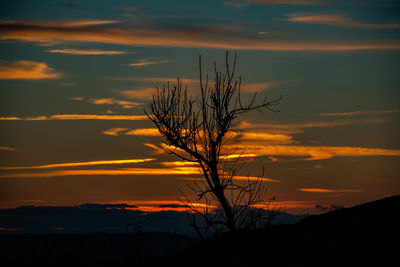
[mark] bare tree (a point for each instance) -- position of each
(195, 129)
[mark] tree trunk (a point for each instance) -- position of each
(219, 194)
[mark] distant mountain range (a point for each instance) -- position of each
(100, 218)
(364, 235)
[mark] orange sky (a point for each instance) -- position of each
(75, 79)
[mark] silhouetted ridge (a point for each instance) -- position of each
(382, 211)
(363, 235)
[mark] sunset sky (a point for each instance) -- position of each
(76, 75)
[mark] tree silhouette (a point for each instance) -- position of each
(195, 128)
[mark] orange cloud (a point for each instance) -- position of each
(114, 131)
(123, 171)
(125, 131)
(311, 152)
(235, 156)
(148, 91)
(156, 149)
(358, 112)
(295, 128)
(10, 119)
(78, 164)
(254, 178)
(159, 205)
(78, 23)
(111, 101)
(108, 101)
(141, 93)
(145, 62)
(178, 163)
(78, 117)
(26, 70)
(270, 138)
(87, 52)
(323, 190)
(7, 148)
(336, 20)
(285, 2)
(144, 132)
(51, 32)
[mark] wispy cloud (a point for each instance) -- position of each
(53, 32)
(7, 148)
(147, 92)
(80, 23)
(311, 152)
(127, 131)
(122, 171)
(87, 52)
(324, 190)
(283, 2)
(358, 112)
(296, 128)
(144, 132)
(111, 101)
(77, 117)
(270, 138)
(337, 20)
(146, 62)
(114, 131)
(108, 101)
(79, 164)
(319, 2)
(26, 70)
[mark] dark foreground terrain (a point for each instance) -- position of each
(364, 235)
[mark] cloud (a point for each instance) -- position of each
(114, 131)
(254, 178)
(7, 148)
(284, 2)
(122, 171)
(79, 164)
(358, 112)
(26, 70)
(87, 52)
(108, 101)
(270, 138)
(127, 131)
(235, 4)
(337, 20)
(299, 151)
(178, 163)
(111, 101)
(141, 93)
(77, 117)
(107, 206)
(146, 62)
(324, 190)
(295, 128)
(144, 132)
(310, 152)
(147, 92)
(83, 23)
(219, 37)
(319, 2)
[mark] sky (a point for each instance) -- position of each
(75, 77)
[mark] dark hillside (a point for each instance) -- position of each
(87, 250)
(357, 236)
